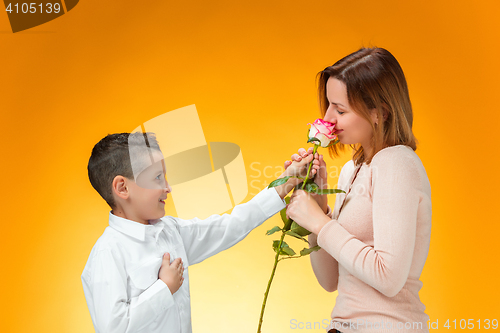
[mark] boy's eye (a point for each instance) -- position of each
(158, 177)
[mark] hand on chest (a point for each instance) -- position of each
(146, 259)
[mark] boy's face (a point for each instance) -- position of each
(148, 193)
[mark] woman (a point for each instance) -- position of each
(375, 242)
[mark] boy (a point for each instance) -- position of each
(136, 277)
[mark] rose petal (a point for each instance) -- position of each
(323, 131)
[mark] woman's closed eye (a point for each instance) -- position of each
(336, 108)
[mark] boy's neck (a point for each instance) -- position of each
(121, 213)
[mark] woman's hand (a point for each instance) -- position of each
(304, 210)
(318, 170)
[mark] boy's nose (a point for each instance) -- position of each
(167, 188)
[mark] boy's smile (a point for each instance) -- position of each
(151, 191)
(162, 200)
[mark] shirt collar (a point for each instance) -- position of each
(135, 229)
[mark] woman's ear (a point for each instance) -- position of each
(119, 187)
(386, 114)
(374, 116)
(385, 111)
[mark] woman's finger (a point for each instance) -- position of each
(296, 157)
(302, 152)
(301, 193)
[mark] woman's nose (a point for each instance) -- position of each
(330, 116)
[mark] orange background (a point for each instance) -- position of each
(249, 66)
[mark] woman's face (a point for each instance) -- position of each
(351, 128)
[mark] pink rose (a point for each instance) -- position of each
(323, 131)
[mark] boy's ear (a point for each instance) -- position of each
(119, 187)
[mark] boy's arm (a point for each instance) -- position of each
(105, 288)
(204, 238)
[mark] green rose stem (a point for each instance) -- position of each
(310, 165)
(276, 258)
(269, 283)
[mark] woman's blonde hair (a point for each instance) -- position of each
(374, 80)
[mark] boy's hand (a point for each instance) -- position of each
(298, 166)
(171, 273)
(318, 170)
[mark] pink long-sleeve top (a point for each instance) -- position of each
(376, 244)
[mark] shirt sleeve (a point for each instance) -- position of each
(325, 267)
(204, 238)
(396, 195)
(112, 311)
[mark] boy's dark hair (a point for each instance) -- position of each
(111, 157)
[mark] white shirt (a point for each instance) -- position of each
(120, 279)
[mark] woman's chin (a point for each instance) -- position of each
(342, 141)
